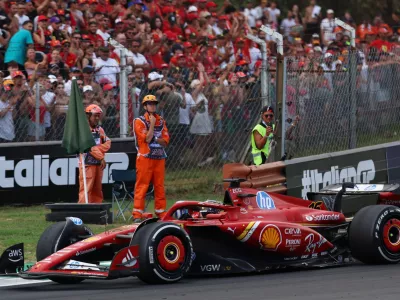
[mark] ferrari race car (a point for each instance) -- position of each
(250, 231)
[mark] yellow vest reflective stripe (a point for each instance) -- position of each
(257, 153)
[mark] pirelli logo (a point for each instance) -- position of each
(248, 231)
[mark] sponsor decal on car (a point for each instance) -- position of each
(129, 258)
(233, 230)
(264, 201)
(85, 251)
(243, 211)
(210, 268)
(79, 265)
(15, 255)
(323, 217)
(293, 243)
(151, 256)
(91, 239)
(236, 190)
(293, 231)
(291, 258)
(312, 243)
(76, 221)
(270, 237)
(248, 231)
(315, 205)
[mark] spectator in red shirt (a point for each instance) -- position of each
(96, 39)
(68, 57)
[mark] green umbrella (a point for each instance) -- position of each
(77, 137)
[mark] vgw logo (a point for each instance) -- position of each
(312, 179)
(210, 268)
(15, 255)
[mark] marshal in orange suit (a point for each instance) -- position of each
(151, 137)
(94, 159)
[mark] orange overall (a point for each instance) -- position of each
(93, 168)
(150, 165)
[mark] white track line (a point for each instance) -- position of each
(16, 281)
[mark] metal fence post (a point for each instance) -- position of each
(37, 112)
(264, 80)
(353, 101)
(123, 96)
(283, 107)
(123, 89)
(264, 83)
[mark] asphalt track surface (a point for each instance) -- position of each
(350, 282)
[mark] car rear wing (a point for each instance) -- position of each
(353, 198)
(364, 188)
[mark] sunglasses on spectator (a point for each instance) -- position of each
(268, 116)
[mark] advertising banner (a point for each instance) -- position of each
(393, 164)
(45, 173)
(311, 175)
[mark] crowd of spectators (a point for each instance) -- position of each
(192, 54)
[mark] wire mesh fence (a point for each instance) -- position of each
(342, 101)
(209, 117)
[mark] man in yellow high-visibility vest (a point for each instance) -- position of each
(262, 135)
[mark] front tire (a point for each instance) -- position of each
(49, 244)
(165, 253)
(374, 235)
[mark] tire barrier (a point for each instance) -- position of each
(268, 177)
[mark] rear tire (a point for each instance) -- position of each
(374, 235)
(165, 253)
(47, 245)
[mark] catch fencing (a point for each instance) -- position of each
(343, 102)
(208, 126)
(349, 105)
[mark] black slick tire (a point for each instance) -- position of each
(46, 246)
(153, 244)
(369, 238)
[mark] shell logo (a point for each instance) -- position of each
(270, 237)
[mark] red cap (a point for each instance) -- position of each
(107, 87)
(211, 4)
(181, 55)
(85, 37)
(42, 18)
(60, 12)
(167, 10)
(224, 17)
(164, 66)
(240, 74)
(17, 73)
(55, 43)
(241, 62)
(171, 35)
(187, 44)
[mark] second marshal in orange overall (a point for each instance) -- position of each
(151, 138)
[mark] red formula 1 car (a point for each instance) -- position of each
(251, 231)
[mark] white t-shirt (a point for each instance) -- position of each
(49, 98)
(274, 14)
(138, 59)
(21, 20)
(104, 35)
(287, 25)
(6, 123)
(184, 113)
(110, 70)
(327, 27)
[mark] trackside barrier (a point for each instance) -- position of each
(297, 177)
(268, 177)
